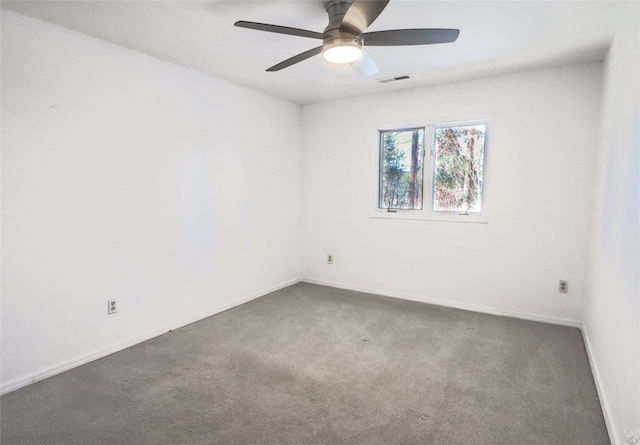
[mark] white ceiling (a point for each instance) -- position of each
(496, 37)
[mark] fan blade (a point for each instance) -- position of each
(401, 37)
(361, 14)
(365, 65)
(295, 59)
(279, 29)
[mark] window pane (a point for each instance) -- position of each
(459, 158)
(401, 172)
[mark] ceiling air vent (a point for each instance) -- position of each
(394, 79)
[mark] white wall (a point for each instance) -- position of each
(130, 178)
(612, 305)
(539, 174)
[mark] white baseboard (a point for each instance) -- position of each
(50, 372)
(54, 370)
(604, 403)
(448, 303)
(611, 430)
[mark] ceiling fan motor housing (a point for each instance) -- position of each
(339, 38)
(336, 9)
(333, 37)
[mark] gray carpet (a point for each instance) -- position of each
(316, 365)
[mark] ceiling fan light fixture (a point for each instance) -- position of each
(342, 49)
(342, 54)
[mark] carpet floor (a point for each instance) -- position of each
(316, 365)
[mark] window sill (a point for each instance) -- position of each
(426, 215)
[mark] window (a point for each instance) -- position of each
(458, 167)
(453, 182)
(401, 172)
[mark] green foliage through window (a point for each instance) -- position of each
(401, 169)
(458, 168)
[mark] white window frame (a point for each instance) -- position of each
(428, 167)
(380, 156)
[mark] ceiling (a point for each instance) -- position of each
(495, 37)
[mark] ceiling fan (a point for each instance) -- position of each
(344, 36)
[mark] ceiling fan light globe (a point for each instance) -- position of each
(342, 54)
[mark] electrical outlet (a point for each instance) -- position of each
(564, 287)
(112, 308)
(329, 259)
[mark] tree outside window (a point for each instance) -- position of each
(401, 169)
(455, 180)
(458, 168)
